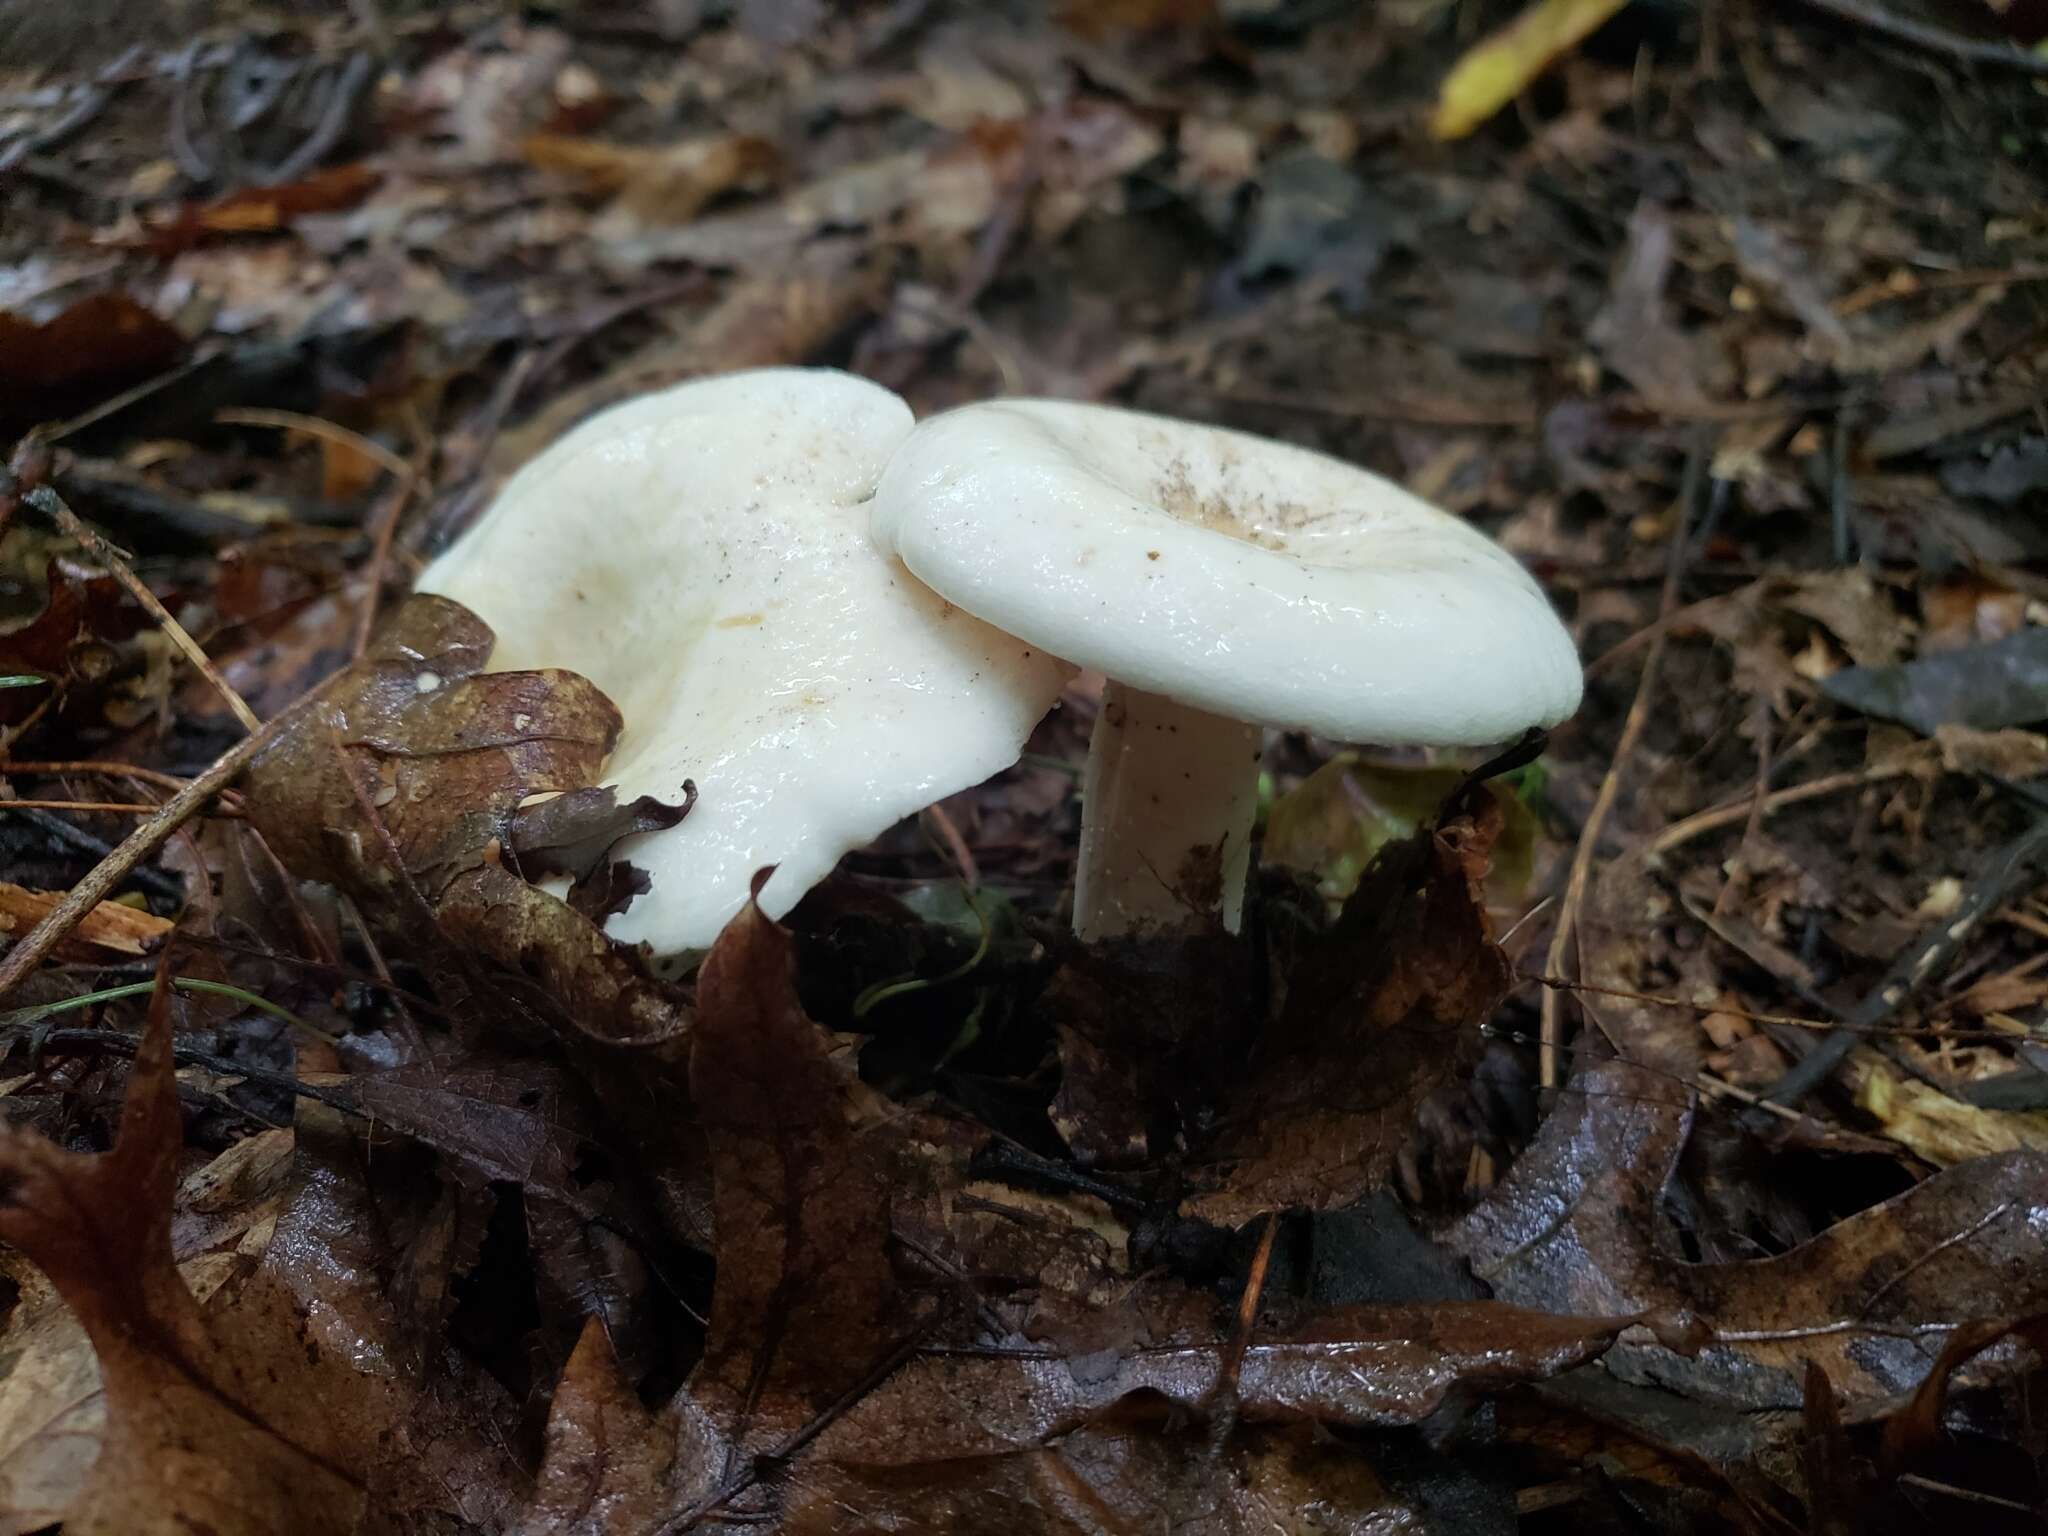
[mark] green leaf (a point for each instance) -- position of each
(1336, 819)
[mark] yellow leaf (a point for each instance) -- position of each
(1497, 68)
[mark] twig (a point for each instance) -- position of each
(316, 426)
(1223, 1396)
(1971, 50)
(46, 501)
(191, 1056)
(1727, 815)
(133, 849)
(57, 828)
(1550, 1031)
(381, 534)
(111, 807)
(1968, 1495)
(1928, 954)
(1778, 1020)
(161, 780)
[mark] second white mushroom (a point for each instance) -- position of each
(1222, 583)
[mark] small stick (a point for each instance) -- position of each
(1999, 877)
(1551, 1028)
(161, 780)
(51, 505)
(316, 426)
(1223, 1396)
(111, 807)
(133, 849)
(1904, 29)
(373, 571)
(1716, 817)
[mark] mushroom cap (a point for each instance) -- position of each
(703, 556)
(1248, 578)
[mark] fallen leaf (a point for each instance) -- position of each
(1983, 687)
(1380, 1012)
(111, 930)
(261, 210)
(79, 357)
(573, 834)
(610, 1466)
(400, 784)
(52, 1411)
(70, 641)
(1857, 612)
(1675, 369)
(1575, 1226)
(1149, 1030)
(1940, 1128)
(657, 188)
(192, 1436)
(803, 1300)
(804, 1294)
(1498, 68)
(1361, 1366)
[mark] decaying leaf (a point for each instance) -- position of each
(1148, 1028)
(1983, 687)
(1380, 1012)
(202, 1430)
(801, 1309)
(1575, 1227)
(657, 188)
(401, 784)
(804, 1296)
(573, 834)
(69, 641)
(261, 210)
(80, 356)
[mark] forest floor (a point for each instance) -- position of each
(1654, 1137)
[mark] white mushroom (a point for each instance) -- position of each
(1221, 583)
(703, 556)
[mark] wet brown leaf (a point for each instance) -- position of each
(573, 834)
(804, 1290)
(262, 210)
(610, 1467)
(1576, 1227)
(804, 1296)
(657, 187)
(1355, 1365)
(84, 354)
(400, 786)
(1148, 1028)
(1381, 1011)
(70, 641)
(1117, 1478)
(204, 1423)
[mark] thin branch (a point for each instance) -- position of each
(133, 849)
(161, 780)
(316, 426)
(1904, 29)
(1551, 1031)
(111, 807)
(1728, 815)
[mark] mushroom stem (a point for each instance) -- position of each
(1166, 817)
